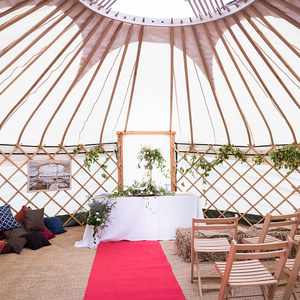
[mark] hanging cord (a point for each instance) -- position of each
(207, 109)
(32, 57)
(280, 68)
(99, 95)
(43, 82)
(266, 26)
(124, 100)
(251, 74)
(176, 100)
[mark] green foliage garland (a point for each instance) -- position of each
(92, 156)
(287, 157)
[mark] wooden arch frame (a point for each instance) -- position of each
(120, 136)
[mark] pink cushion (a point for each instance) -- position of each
(47, 234)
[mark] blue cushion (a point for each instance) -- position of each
(7, 221)
(54, 224)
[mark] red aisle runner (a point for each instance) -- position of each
(132, 271)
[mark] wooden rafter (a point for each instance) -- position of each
(138, 54)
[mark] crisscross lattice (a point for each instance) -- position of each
(85, 183)
(243, 188)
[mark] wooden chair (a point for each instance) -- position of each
(227, 226)
(292, 269)
(244, 268)
(290, 221)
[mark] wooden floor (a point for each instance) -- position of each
(61, 271)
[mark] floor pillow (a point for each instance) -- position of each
(34, 219)
(4, 247)
(16, 243)
(7, 221)
(16, 239)
(2, 235)
(54, 224)
(21, 215)
(16, 232)
(35, 240)
(47, 234)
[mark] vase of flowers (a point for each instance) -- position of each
(99, 214)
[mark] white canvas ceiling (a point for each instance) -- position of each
(69, 75)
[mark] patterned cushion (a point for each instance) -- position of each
(7, 221)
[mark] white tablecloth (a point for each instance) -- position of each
(145, 218)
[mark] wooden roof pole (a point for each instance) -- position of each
(220, 64)
(141, 34)
(36, 39)
(37, 81)
(260, 79)
(107, 49)
(127, 39)
(78, 75)
(31, 30)
(87, 21)
(279, 12)
(22, 15)
(266, 61)
(40, 53)
(244, 81)
(274, 30)
(171, 76)
(187, 85)
(262, 35)
(13, 8)
(210, 81)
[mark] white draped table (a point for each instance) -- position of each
(145, 218)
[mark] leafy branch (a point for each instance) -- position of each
(92, 156)
(287, 157)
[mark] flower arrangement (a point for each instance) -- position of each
(99, 214)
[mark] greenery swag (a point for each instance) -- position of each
(286, 157)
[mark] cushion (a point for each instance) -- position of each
(4, 247)
(47, 234)
(34, 219)
(2, 235)
(16, 232)
(7, 221)
(21, 215)
(16, 243)
(55, 225)
(35, 240)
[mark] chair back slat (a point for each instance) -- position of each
(293, 276)
(264, 251)
(281, 221)
(219, 225)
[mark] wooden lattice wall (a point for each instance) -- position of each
(85, 182)
(246, 189)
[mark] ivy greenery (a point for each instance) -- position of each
(286, 157)
(141, 189)
(98, 215)
(92, 156)
(149, 159)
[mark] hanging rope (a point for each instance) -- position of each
(99, 95)
(207, 109)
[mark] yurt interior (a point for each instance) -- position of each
(149, 150)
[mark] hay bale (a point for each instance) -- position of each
(183, 242)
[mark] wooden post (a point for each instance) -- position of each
(172, 161)
(120, 161)
(171, 135)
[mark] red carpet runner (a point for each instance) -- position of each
(132, 271)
